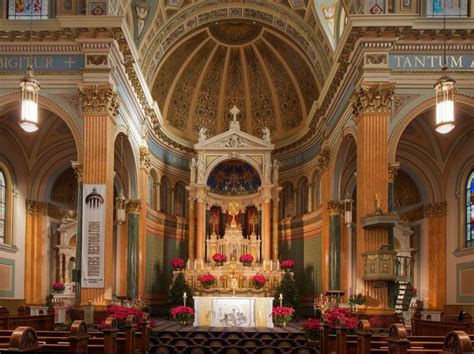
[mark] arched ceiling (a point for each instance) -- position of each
(260, 70)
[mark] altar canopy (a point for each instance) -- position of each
(233, 196)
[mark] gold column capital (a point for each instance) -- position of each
(134, 206)
(35, 207)
(99, 99)
(335, 206)
(393, 169)
(373, 98)
(78, 170)
(323, 158)
(434, 210)
(144, 158)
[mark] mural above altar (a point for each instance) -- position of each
(233, 212)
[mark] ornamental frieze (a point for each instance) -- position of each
(434, 210)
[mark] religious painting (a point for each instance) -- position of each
(470, 210)
(234, 177)
(454, 8)
(28, 9)
(407, 5)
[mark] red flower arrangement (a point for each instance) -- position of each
(219, 258)
(121, 312)
(288, 264)
(177, 263)
(246, 259)
(206, 280)
(258, 280)
(345, 314)
(282, 314)
(311, 328)
(58, 286)
(182, 313)
(413, 291)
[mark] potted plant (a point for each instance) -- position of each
(182, 314)
(312, 331)
(258, 280)
(58, 287)
(357, 300)
(282, 315)
(287, 264)
(178, 263)
(219, 258)
(206, 280)
(344, 313)
(120, 313)
(246, 259)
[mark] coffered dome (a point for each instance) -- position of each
(260, 70)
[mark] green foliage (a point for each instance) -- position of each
(290, 293)
(175, 293)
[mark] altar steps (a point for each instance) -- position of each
(169, 337)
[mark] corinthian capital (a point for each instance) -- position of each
(134, 205)
(433, 210)
(96, 99)
(78, 170)
(373, 98)
(144, 157)
(323, 158)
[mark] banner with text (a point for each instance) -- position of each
(93, 235)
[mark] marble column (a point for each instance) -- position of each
(275, 223)
(99, 107)
(372, 106)
(133, 210)
(334, 207)
(35, 212)
(143, 193)
(436, 214)
(323, 166)
(392, 173)
(78, 171)
(266, 231)
(192, 229)
(200, 232)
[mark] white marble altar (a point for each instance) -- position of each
(233, 311)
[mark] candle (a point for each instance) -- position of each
(281, 296)
(185, 295)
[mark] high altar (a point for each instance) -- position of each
(233, 195)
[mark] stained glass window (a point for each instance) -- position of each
(470, 211)
(28, 9)
(454, 8)
(3, 206)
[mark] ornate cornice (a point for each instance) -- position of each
(373, 98)
(134, 205)
(97, 99)
(78, 170)
(434, 210)
(35, 207)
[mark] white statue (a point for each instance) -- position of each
(267, 169)
(266, 134)
(275, 171)
(202, 134)
(201, 168)
(193, 170)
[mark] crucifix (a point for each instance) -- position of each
(234, 124)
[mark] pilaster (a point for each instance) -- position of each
(323, 161)
(372, 107)
(334, 207)
(99, 107)
(78, 172)
(143, 192)
(436, 214)
(133, 272)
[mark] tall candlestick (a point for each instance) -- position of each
(281, 299)
(184, 298)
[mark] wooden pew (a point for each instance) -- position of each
(42, 322)
(443, 327)
(23, 340)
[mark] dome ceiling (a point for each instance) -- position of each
(259, 70)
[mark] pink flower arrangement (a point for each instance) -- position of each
(58, 286)
(177, 263)
(288, 264)
(206, 279)
(311, 328)
(345, 314)
(258, 280)
(246, 258)
(219, 258)
(182, 313)
(282, 314)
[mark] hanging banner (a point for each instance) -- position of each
(93, 235)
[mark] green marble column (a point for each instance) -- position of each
(334, 252)
(77, 272)
(133, 209)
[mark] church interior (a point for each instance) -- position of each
(255, 163)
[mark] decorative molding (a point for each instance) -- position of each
(35, 207)
(323, 158)
(335, 206)
(134, 205)
(373, 98)
(144, 157)
(61, 213)
(97, 100)
(434, 210)
(393, 169)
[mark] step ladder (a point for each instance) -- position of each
(404, 295)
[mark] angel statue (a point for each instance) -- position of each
(202, 134)
(266, 134)
(193, 168)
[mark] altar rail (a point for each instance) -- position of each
(397, 342)
(41, 322)
(443, 327)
